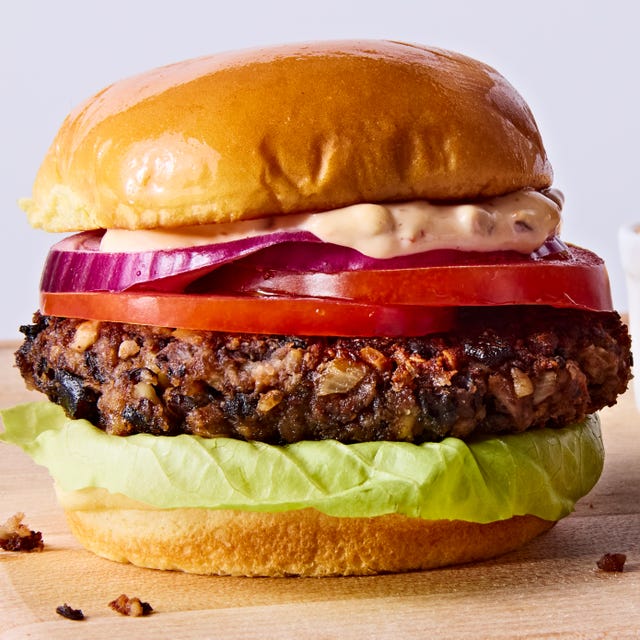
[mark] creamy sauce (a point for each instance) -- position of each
(520, 221)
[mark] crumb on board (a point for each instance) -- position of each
(612, 562)
(69, 612)
(16, 536)
(130, 606)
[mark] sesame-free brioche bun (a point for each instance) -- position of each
(301, 543)
(287, 129)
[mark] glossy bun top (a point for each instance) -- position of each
(281, 130)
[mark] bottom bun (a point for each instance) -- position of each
(293, 543)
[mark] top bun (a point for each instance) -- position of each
(286, 129)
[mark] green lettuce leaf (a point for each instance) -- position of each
(541, 472)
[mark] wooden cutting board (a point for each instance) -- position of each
(550, 589)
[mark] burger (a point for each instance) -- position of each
(314, 317)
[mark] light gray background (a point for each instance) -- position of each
(576, 63)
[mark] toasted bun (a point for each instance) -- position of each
(287, 129)
(301, 543)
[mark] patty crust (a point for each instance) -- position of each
(502, 370)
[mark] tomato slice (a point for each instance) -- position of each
(576, 279)
(250, 314)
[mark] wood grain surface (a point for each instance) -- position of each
(550, 589)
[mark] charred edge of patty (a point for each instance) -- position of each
(502, 371)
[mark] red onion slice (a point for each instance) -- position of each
(76, 263)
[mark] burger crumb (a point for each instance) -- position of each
(16, 536)
(68, 612)
(611, 562)
(130, 606)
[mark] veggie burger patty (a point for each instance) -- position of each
(502, 371)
